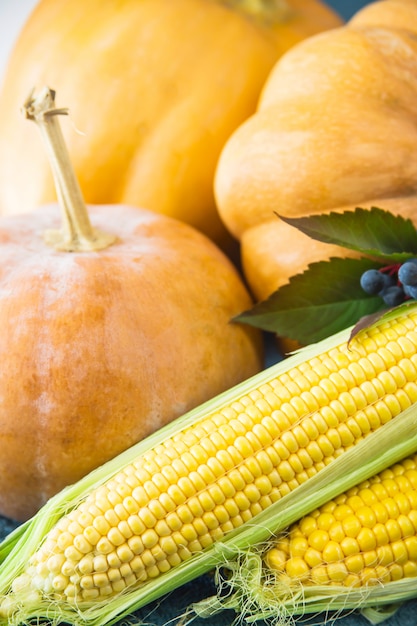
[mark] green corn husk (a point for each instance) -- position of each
(391, 442)
(248, 586)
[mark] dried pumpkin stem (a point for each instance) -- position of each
(77, 233)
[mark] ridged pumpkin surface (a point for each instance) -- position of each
(155, 87)
(336, 128)
(99, 349)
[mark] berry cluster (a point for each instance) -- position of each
(394, 284)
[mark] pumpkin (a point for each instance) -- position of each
(155, 87)
(105, 337)
(336, 128)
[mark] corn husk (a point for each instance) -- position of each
(388, 444)
(246, 585)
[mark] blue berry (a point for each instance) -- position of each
(407, 274)
(393, 295)
(373, 281)
(411, 291)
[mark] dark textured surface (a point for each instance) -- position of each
(168, 611)
(347, 8)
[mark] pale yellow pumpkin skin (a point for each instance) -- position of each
(336, 128)
(99, 349)
(154, 88)
(274, 251)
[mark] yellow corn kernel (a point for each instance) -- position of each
(337, 572)
(349, 546)
(366, 539)
(299, 546)
(396, 571)
(381, 534)
(319, 575)
(307, 525)
(366, 517)
(411, 545)
(318, 539)
(369, 576)
(212, 476)
(410, 569)
(325, 521)
(355, 563)
(313, 557)
(400, 552)
(352, 540)
(297, 568)
(393, 530)
(370, 558)
(351, 526)
(276, 559)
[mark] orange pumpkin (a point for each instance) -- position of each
(155, 87)
(336, 128)
(101, 347)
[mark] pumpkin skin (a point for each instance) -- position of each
(99, 349)
(336, 128)
(274, 251)
(155, 88)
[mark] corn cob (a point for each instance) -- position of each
(357, 550)
(366, 536)
(226, 472)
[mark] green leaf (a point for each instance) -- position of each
(375, 232)
(321, 301)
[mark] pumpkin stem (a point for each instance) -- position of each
(77, 234)
(266, 10)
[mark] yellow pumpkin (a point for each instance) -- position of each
(100, 347)
(336, 128)
(155, 87)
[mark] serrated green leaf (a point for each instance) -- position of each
(374, 232)
(321, 301)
